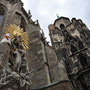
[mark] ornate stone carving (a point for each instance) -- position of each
(15, 67)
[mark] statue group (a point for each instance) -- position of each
(13, 65)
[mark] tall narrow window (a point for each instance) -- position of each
(1, 15)
(73, 49)
(83, 60)
(3, 10)
(80, 45)
(23, 24)
(1, 18)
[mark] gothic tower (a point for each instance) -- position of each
(70, 40)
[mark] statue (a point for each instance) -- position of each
(16, 54)
(16, 58)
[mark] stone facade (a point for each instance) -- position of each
(66, 61)
(70, 40)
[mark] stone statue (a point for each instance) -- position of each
(13, 66)
(16, 54)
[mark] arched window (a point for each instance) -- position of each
(83, 60)
(73, 49)
(62, 26)
(2, 12)
(80, 45)
(23, 24)
(1, 18)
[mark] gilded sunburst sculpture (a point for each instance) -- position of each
(15, 30)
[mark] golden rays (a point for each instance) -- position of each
(15, 30)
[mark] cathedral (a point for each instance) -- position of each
(63, 65)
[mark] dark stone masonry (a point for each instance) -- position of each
(63, 66)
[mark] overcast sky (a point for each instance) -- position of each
(45, 11)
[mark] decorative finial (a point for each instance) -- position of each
(57, 15)
(43, 33)
(29, 13)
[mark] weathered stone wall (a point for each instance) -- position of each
(56, 67)
(36, 58)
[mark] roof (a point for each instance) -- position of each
(61, 18)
